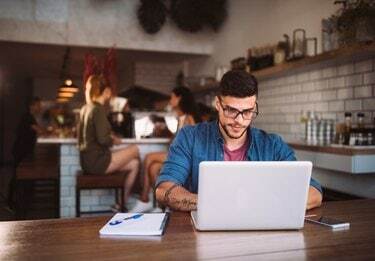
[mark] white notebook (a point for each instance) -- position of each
(134, 224)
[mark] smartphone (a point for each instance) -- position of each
(327, 221)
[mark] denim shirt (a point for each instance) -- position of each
(204, 142)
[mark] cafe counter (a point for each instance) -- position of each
(93, 200)
(346, 169)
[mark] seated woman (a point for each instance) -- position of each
(95, 138)
(183, 104)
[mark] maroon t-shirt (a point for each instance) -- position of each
(237, 154)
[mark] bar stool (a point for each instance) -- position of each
(86, 181)
(35, 181)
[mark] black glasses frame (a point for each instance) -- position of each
(238, 112)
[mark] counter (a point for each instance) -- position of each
(124, 141)
(334, 148)
(345, 169)
(93, 200)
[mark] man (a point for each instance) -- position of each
(27, 132)
(230, 138)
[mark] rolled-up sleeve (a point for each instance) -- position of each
(177, 167)
(314, 183)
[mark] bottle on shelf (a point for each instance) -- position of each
(348, 138)
(360, 130)
(360, 120)
(370, 139)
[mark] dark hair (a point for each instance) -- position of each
(98, 84)
(155, 118)
(206, 112)
(34, 100)
(238, 84)
(187, 102)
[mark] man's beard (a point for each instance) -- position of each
(224, 127)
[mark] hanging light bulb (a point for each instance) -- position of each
(68, 86)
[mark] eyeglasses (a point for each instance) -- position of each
(230, 112)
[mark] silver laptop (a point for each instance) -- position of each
(252, 195)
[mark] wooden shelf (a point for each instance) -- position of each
(341, 55)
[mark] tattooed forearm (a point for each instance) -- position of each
(182, 204)
(176, 197)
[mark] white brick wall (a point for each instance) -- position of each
(157, 76)
(330, 91)
(369, 78)
(345, 69)
(363, 66)
(354, 80)
(345, 93)
(353, 105)
(363, 92)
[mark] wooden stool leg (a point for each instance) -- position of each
(116, 196)
(78, 202)
(122, 203)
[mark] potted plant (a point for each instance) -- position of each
(355, 21)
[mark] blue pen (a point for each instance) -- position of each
(119, 221)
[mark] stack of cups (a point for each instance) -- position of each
(312, 131)
(322, 127)
(319, 131)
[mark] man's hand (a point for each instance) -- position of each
(314, 198)
(176, 197)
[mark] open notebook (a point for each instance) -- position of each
(133, 224)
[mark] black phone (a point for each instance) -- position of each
(327, 221)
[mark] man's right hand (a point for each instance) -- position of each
(176, 197)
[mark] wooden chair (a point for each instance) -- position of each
(36, 179)
(86, 181)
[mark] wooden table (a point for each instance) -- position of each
(78, 239)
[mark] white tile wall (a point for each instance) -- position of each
(353, 105)
(369, 78)
(363, 66)
(330, 91)
(345, 69)
(345, 93)
(363, 92)
(157, 76)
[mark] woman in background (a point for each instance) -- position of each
(95, 138)
(183, 104)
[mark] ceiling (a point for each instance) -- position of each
(45, 61)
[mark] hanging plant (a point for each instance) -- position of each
(187, 15)
(214, 13)
(355, 21)
(91, 66)
(106, 67)
(152, 15)
(193, 15)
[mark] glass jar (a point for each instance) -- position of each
(348, 125)
(348, 121)
(360, 119)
